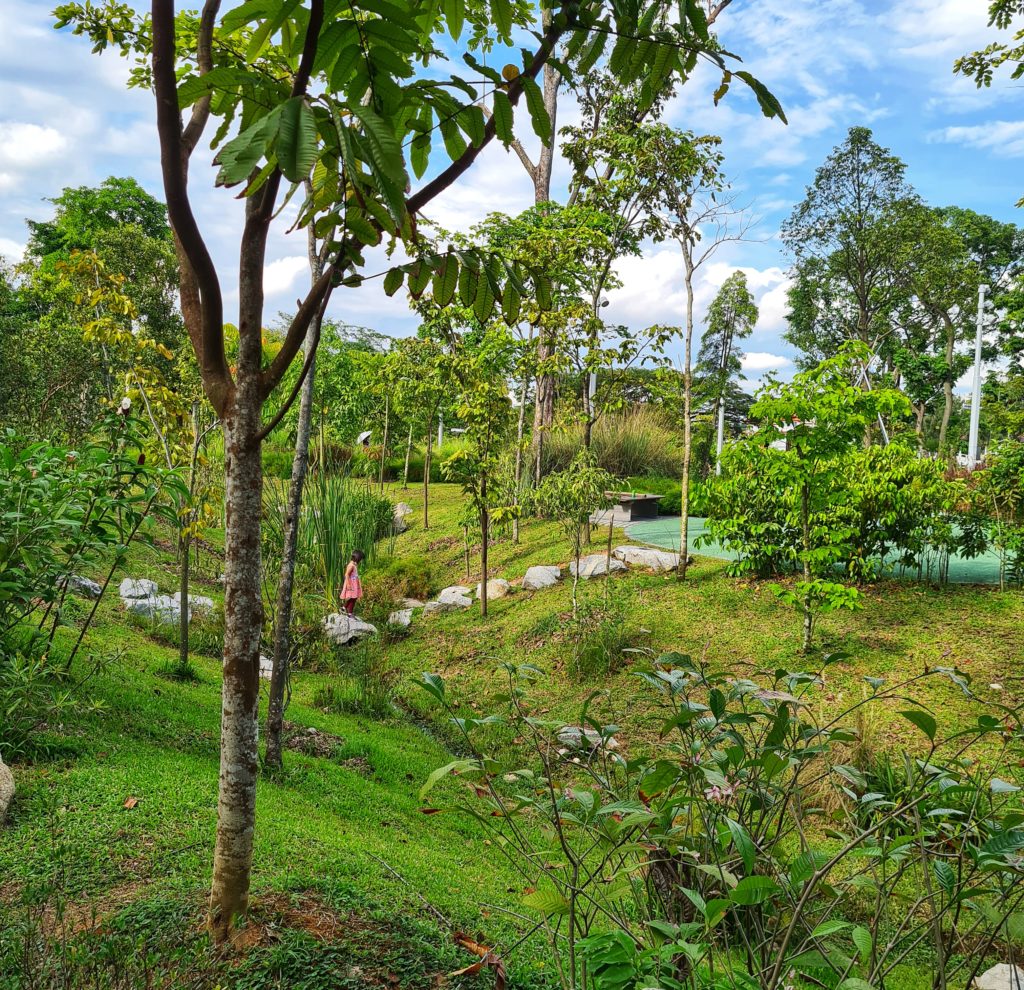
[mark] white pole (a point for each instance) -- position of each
(721, 436)
(972, 442)
(592, 392)
(440, 429)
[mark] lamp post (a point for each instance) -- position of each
(972, 442)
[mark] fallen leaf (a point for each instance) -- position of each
(130, 802)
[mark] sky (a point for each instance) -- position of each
(68, 119)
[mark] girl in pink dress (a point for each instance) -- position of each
(352, 590)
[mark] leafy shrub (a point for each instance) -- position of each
(649, 870)
(605, 637)
(33, 691)
(395, 467)
(638, 442)
(405, 577)
(364, 683)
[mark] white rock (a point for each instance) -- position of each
(6, 790)
(595, 565)
(496, 588)
(137, 588)
(84, 586)
(342, 628)
(402, 510)
(158, 608)
(196, 603)
(1001, 977)
(540, 577)
(658, 561)
(401, 617)
(266, 667)
(456, 596)
(575, 737)
(411, 603)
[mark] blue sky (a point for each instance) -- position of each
(66, 118)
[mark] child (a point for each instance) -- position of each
(352, 590)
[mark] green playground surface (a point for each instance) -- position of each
(664, 532)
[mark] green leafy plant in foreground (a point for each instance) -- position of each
(742, 849)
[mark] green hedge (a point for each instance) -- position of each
(669, 488)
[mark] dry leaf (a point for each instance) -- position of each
(130, 802)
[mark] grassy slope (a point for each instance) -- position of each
(325, 823)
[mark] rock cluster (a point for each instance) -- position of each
(141, 597)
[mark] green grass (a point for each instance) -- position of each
(327, 824)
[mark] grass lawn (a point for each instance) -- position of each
(110, 839)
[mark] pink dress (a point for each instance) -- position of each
(353, 587)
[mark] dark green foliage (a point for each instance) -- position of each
(410, 576)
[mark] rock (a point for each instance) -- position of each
(496, 588)
(1001, 977)
(158, 608)
(83, 586)
(6, 790)
(411, 603)
(137, 588)
(658, 561)
(401, 617)
(196, 603)
(266, 667)
(342, 628)
(402, 510)
(456, 596)
(576, 737)
(595, 565)
(540, 577)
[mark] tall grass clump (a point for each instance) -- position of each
(339, 515)
(638, 442)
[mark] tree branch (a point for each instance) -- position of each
(213, 363)
(442, 181)
(714, 9)
(193, 130)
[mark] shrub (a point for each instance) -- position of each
(277, 463)
(364, 683)
(605, 638)
(404, 577)
(698, 862)
(638, 442)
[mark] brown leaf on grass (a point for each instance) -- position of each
(130, 802)
(487, 960)
(430, 811)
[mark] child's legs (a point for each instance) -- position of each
(350, 605)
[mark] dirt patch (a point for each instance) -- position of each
(72, 918)
(445, 543)
(310, 741)
(358, 764)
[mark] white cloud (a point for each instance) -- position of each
(761, 361)
(280, 275)
(11, 250)
(1004, 138)
(26, 145)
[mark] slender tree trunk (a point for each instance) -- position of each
(484, 535)
(184, 562)
(805, 525)
(947, 384)
(520, 429)
(384, 445)
(408, 454)
(243, 609)
(426, 474)
(684, 500)
(720, 441)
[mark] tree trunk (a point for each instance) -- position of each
(185, 561)
(408, 454)
(286, 579)
(805, 525)
(484, 534)
(384, 445)
(243, 611)
(720, 441)
(520, 430)
(947, 384)
(543, 403)
(426, 475)
(684, 500)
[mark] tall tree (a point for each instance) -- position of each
(379, 94)
(731, 317)
(845, 240)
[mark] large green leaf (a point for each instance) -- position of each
(922, 720)
(393, 280)
(538, 112)
(502, 111)
(454, 767)
(548, 902)
(753, 890)
(296, 139)
(240, 156)
(446, 278)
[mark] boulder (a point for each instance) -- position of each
(456, 596)
(411, 603)
(196, 603)
(266, 667)
(83, 586)
(341, 628)
(402, 510)
(540, 577)
(496, 588)
(401, 617)
(6, 790)
(137, 588)
(1000, 977)
(595, 565)
(157, 608)
(658, 561)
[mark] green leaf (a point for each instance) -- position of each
(743, 843)
(855, 983)
(770, 106)
(501, 11)
(446, 278)
(1003, 843)
(468, 279)
(510, 304)
(419, 277)
(393, 281)
(433, 684)
(922, 720)
(502, 111)
(296, 139)
(455, 15)
(538, 112)
(998, 786)
(441, 772)
(753, 890)
(483, 305)
(239, 157)
(827, 928)
(419, 153)
(548, 902)
(862, 940)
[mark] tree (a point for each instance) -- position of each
(731, 317)
(846, 242)
(355, 133)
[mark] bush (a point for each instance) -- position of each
(33, 692)
(606, 638)
(638, 442)
(405, 577)
(395, 468)
(277, 463)
(365, 682)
